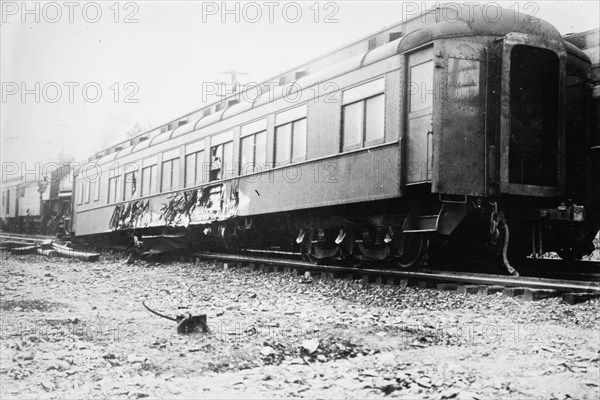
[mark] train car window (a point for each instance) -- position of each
(149, 180)
(82, 187)
(170, 175)
(97, 189)
(260, 151)
(193, 168)
(375, 118)
(421, 86)
(86, 190)
(166, 176)
(228, 162)
(299, 140)
(534, 90)
(363, 123)
(221, 160)
(80, 192)
(253, 153)
(175, 176)
(130, 182)
(190, 170)
(352, 115)
(247, 155)
(283, 145)
(114, 192)
(290, 143)
(200, 174)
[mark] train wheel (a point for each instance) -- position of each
(412, 251)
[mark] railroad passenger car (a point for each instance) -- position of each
(9, 204)
(431, 137)
(21, 206)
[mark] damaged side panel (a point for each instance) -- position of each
(189, 207)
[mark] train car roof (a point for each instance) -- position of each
(446, 21)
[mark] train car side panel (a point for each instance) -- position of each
(363, 175)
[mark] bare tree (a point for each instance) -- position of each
(136, 130)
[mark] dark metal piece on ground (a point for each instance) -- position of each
(185, 323)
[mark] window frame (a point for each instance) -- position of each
(113, 198)
(173, 185)
(291, 160)
(150, 192)
(86, 191)
(97, 189)
(364, 143)
(135, 178)
(254, 137)
(221, 169)
(197, 172)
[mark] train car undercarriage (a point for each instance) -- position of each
(431, 232)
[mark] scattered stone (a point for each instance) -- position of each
(131, 358)
(267, 351)
(310, 345)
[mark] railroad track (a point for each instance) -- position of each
(586, 286)
(531, 288)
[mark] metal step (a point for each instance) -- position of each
(420, 223)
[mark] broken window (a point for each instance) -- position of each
(130, 185)
(221, 161)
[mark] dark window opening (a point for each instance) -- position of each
(221, 161)
(533, 144)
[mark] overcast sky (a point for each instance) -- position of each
(162, 57)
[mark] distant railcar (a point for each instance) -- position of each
(38, 206)
(21, 206)
(428, 138)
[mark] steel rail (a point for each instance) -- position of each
(443, 276)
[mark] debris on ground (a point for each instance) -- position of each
(71, 329)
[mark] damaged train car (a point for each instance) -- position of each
(429, 139)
